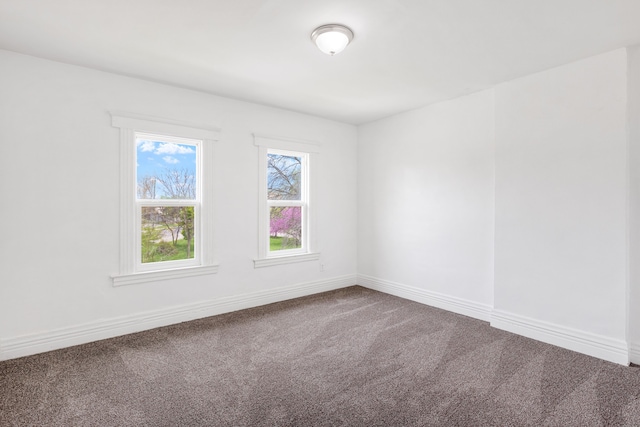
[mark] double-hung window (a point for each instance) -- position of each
(165, 199)
(287, 215)
(168, 202)
(287, 201)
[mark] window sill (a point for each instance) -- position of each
(268, 262)
(152, 276)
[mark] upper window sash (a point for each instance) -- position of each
(195, 145)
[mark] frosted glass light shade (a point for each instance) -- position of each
(332, 39)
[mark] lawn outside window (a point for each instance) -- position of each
(166, 199)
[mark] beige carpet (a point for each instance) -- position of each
(352, 357)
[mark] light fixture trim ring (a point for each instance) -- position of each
(332, 28)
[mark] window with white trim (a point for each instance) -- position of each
(287, 201)
(168, 202)
(166, 199)
(286, 218)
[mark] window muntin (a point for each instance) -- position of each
(287, 202)
(167, 201)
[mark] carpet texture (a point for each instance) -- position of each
(352, 357)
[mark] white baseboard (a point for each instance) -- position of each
(81, 334)
(599, 346)
(583, 342)
(435, 299)
(634, 353)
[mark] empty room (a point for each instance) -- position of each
(305, 213)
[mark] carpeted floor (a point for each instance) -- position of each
(352, 357)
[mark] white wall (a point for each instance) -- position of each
(59, 245)
(550, 150)
(561, 205)
(426, 200)
(633, 72)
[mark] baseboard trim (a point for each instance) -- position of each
(81, 334)
(599, 346)
(634, 353)
(434, 299)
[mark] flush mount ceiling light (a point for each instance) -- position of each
(332, 38)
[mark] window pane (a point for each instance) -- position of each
(165, 170)
(283, 177)
(285, 225)
(167, 233)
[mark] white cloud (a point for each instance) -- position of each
(170, 160)
(170, 148)
(145, 146)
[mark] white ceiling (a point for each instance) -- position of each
(406, 53)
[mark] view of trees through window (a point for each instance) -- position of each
(166, 171)
(284, 185)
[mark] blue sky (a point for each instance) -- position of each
(154, 156)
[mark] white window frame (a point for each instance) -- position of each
(309, 152)
(195, 203)
(132, 271)
(303, 204)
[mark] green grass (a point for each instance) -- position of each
(180, 249)
(275, 243)
(181, 245)
(171, 252)
(278, 244)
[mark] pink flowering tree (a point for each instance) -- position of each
(287, 223)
